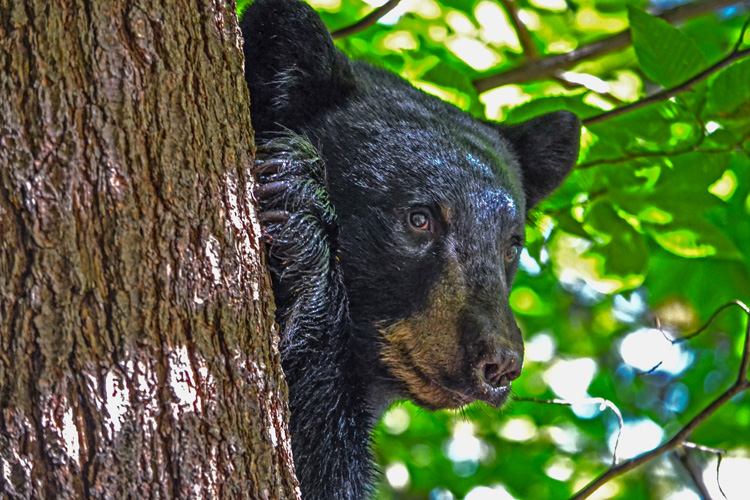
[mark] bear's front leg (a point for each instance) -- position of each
(330, 423)
(300, 233)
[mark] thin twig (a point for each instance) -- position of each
(741, 384)
(588, 401)
(719, 456)
(741, 38)
(543, 67)
(649, 371)
(667, 93)
(366, 21)
(683, 338)
(704, 327)
(700, 447)
(718, 479)
(714, 451)
(524, 36)
(694, 470)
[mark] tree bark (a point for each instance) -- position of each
(137, 357)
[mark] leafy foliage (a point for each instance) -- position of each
(654, 222)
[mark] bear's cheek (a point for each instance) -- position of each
(424, 352)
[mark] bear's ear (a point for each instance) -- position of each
(547, 149)
(292, 69)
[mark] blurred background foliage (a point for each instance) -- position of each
(653, 223)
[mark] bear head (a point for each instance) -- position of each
(430, 204)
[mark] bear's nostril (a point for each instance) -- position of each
(492, 374)
(500, 369)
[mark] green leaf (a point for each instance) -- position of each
(692, 173)
(449, 78)
(549, 104)
(622, 249)
(665, 54)
(694, 238)
(462, 5)
(731, 88)
(443, 75)
(567, 223)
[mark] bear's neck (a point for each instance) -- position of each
(331, 420)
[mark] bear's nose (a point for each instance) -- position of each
(499, 368)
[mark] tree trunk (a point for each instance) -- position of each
(137, 358)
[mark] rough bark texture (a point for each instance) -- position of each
(135, 353)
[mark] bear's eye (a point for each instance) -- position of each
(511, 253)
(420, 220)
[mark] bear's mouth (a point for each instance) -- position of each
(432, 394)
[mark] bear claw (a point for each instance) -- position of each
(274, 217)
(270, 166)
(265, 191)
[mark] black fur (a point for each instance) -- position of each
(372, 306)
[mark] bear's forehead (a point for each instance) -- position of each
(464, 154)
(482, 213)
(488, 203)
(479, 190)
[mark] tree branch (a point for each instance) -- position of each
(667, 93)
(366, 21)
(524, 36)
(543, 67)
(741, 384)
(661, 154)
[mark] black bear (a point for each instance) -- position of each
(393, 224)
